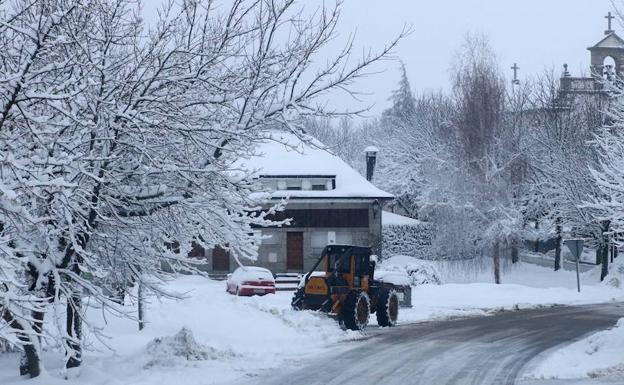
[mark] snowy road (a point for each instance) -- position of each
(476, 351)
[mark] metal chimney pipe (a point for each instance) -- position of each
(371, 159)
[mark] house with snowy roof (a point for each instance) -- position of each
(328, 203)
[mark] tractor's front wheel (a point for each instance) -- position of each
(387, 307)
(297, 300)
(355, 310)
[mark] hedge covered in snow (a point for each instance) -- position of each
(414, 239)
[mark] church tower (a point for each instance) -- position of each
(607, 62)
(607, 56)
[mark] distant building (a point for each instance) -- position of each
(329, 203)
(607, 63)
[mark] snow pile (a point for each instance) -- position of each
(168, 351)
(419, 272)
(599, 355)
(615, 278)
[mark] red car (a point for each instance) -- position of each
(251, 280)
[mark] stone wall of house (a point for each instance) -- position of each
(272, 253)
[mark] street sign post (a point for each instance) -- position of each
(576, 248)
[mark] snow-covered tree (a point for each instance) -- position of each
(120, 143)
(561, 156)
(608, 206)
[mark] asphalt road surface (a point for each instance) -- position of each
(472, 351)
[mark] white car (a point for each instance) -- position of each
(251, 280)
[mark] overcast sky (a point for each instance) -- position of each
(537, 34)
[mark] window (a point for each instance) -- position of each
(344, 238)
(294, 184)
(270, 238)
(319, 239)
(299, 182)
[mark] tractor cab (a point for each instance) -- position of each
(347, 288)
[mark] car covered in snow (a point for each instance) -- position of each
(251, 280)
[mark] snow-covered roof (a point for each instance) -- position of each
(612, 40)
(285, 154)
(391, 219)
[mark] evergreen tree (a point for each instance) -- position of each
(403, 107)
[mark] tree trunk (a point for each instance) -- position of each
(604, 249)
(605, 261)
(497, 279)
(537, 241)
(74, 332)
(30, 361)
(558, 246)
(514, 252)
(141, 306)
(598, 256)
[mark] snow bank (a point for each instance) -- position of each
(599, 355)
(453, 300)
(615, 278)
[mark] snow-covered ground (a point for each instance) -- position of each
(524, 285)
(237, 338)
(240, 336)
(598, 355)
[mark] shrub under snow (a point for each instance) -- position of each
(420, 272)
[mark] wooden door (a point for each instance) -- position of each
(294, 251)
(220, 259)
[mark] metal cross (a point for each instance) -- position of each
(515, 69)
(610, 18)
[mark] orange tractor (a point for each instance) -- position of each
(347, 289)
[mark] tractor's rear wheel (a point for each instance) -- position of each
(387, 307)
(297, 300)
(355, 311)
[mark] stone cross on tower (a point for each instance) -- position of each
(609, 18)
(515, 80)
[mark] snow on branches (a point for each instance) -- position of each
(119, 138)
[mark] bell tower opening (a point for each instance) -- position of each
(609, 66)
